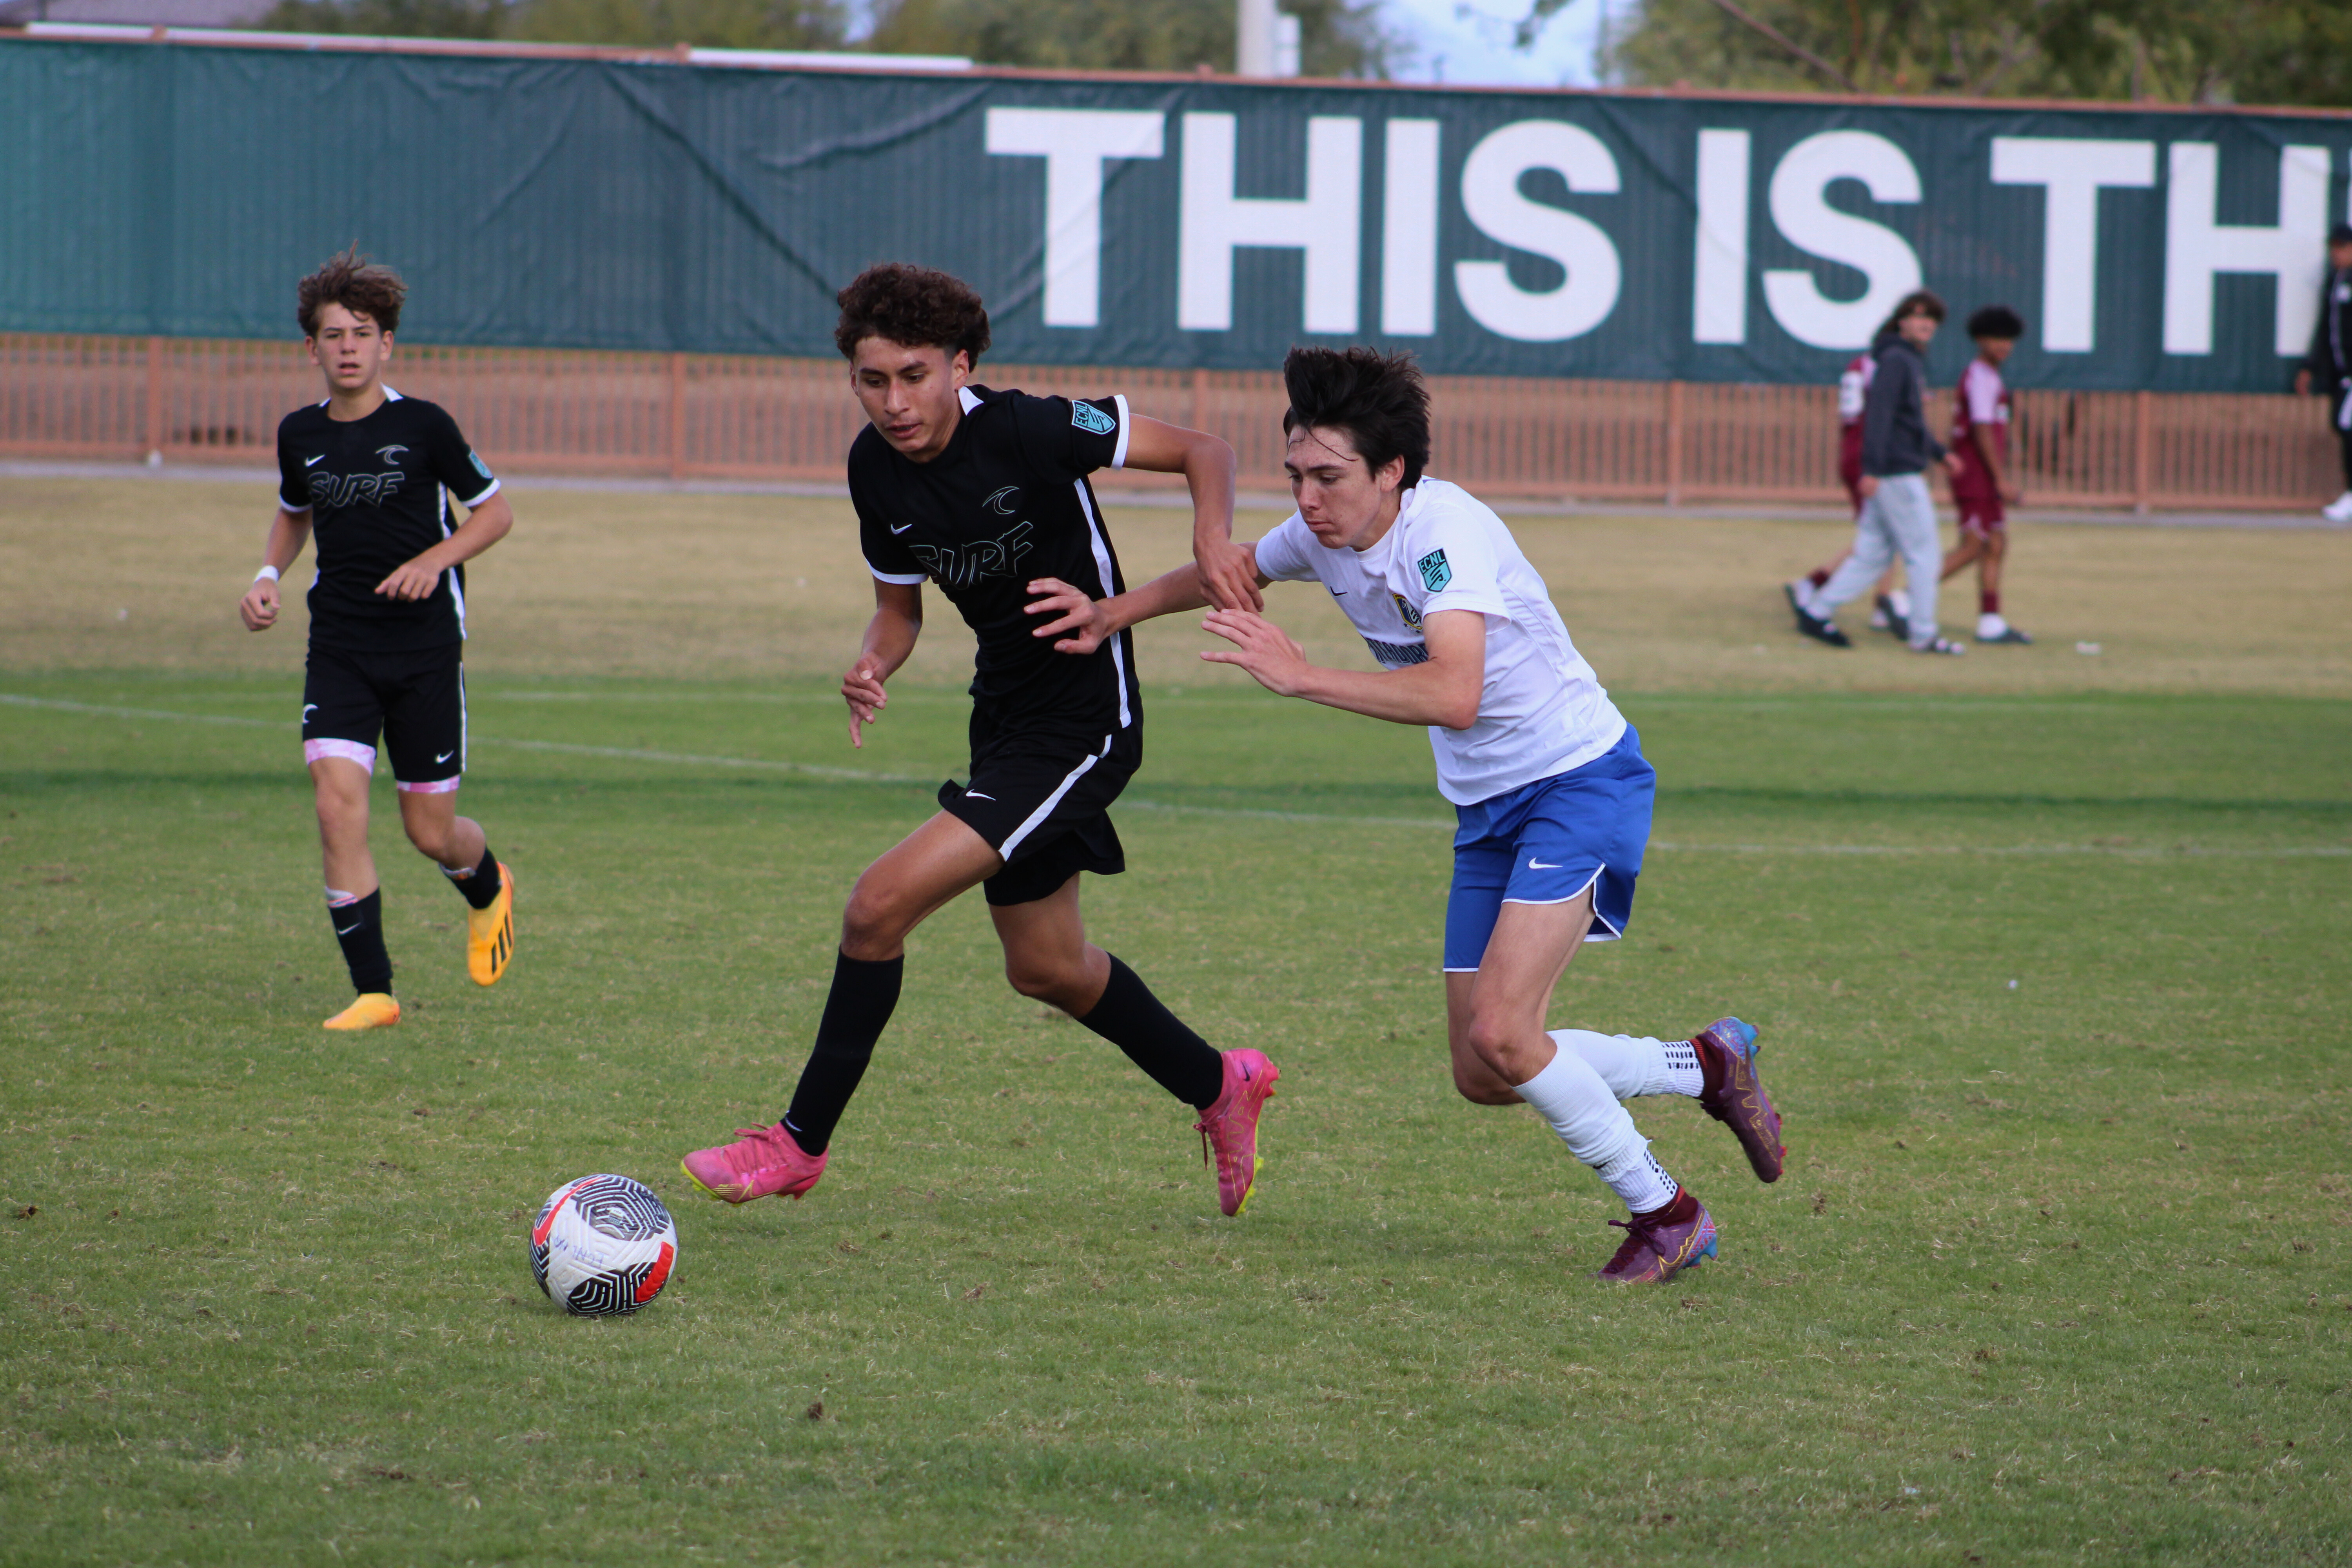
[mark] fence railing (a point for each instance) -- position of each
(719, 416)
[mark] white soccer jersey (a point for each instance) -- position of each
(1542, 711)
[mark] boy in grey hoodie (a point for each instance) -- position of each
(1898, 514)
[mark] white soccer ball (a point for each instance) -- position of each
(602, 1246)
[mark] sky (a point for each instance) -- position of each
(1468, 42)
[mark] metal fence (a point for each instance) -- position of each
(719, 416)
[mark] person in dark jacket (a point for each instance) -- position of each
(2327, 368)
(1898, 514)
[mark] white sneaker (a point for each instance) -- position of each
(1989, 626)
(2339, 510)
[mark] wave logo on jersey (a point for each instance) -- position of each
(1434, 571)
(1089, 418)
(1005, 503)
(390, 454)
(960, 566)
(353, 490)
(1404, 608)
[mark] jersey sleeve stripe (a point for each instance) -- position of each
(903, 581)
(1118, 453)
(470, 502)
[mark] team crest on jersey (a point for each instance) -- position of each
(1087, 417)
(1412, 617)
(1434, 571)
(480, 467)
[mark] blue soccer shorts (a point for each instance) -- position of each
(1546, 843)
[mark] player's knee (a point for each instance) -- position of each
(431, 839)
(874, 926)
(1495, 1039)
(1479, 1084)
(1057, 985)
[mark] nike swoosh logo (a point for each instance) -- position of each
(445, 756)
(1535, 864)
(313, 462)
(1336, 592)
(902, 528)
(346, 930)
(975, 794)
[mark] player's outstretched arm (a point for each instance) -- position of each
(484, 526)
(1444, 691)
(289, 531)
(890, 639)
(1084, 623)
(1207, 465)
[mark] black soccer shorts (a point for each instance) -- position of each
(1043, 803)
(415, 701)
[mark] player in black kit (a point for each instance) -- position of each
(985, 494)
(364, 470)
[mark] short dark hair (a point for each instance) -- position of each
(1919, 302)
(1380, 400)
(917, 306)
(1997, 321)
(355, 283)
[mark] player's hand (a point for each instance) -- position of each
(258, 608)
(1868, 486)
(1263, 648)
(1228, 575)
(862, 689)
(412, 581)
(1085, 617)
(1953, 463)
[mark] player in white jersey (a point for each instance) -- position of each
(1546, 778)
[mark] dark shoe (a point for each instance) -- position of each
(1660, 1246)
(1735, 1095)
(1897, 621)
(1820, 630)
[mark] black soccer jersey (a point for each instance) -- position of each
(373, 490)
(1006, 503)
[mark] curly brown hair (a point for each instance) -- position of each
(916, 306)
(357, 285)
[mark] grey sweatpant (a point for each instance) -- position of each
(1899, 519)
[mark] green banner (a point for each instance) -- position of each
(157, 188)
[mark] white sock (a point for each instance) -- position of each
(1638, 1178)
(1901, 600)
(1577, 1102)
(1635, 1065)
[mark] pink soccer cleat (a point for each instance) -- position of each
(1230, 1126)
(1734, 1094)
(763, 1163)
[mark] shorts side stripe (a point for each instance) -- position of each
(1012, 840)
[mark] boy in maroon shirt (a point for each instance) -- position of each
(1980, 422)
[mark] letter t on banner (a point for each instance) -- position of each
(1327, 225)
(1075, 143)
(2073, 172)
(2196, 247)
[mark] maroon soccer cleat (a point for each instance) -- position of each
(1735, 1095)
(1660, 1246)
(1230, 1126)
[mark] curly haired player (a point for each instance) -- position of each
(366, 471)
(1980, 426)
(984, 494)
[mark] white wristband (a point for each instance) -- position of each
(268, 571)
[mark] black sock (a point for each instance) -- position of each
(480, 884)
(1179, 1061)
(864, 994)
(358, 926)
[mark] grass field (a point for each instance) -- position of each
(2047, 952)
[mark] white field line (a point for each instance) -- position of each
(856, 775)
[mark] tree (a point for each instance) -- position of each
(1338, 37)
(2171, 51)
(712, 24)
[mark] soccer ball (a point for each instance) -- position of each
(602, 1246)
